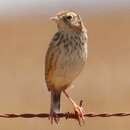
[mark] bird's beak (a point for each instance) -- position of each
(55, 18)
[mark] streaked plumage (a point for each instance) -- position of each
(66, 56)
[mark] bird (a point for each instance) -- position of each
(65, 59)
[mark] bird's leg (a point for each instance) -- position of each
(79, 111)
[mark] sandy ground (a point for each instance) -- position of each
(104, 84)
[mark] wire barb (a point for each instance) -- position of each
(63, 115)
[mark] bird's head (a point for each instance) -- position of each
(68, 21)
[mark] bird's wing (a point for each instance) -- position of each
(52, 56)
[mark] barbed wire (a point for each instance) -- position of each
(63, 115)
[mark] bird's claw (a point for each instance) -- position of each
(79, 113)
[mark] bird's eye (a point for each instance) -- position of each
(69, 17)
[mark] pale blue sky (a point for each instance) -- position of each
(44, 6)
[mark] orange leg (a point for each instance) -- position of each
(79, 111)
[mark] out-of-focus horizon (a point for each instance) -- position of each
(36, 7)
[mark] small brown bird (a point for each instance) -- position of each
(65, 59)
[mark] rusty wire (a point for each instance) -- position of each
(63, 115)
(67, 115)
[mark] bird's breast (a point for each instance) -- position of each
(72, 58)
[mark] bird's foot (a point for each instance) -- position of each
(78, 109)
(79, 113)
(53, 117)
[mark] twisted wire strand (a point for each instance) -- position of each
(63, 115)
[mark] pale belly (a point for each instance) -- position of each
(68, 67)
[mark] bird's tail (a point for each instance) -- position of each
(55, 101)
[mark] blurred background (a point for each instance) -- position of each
(104, 85)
